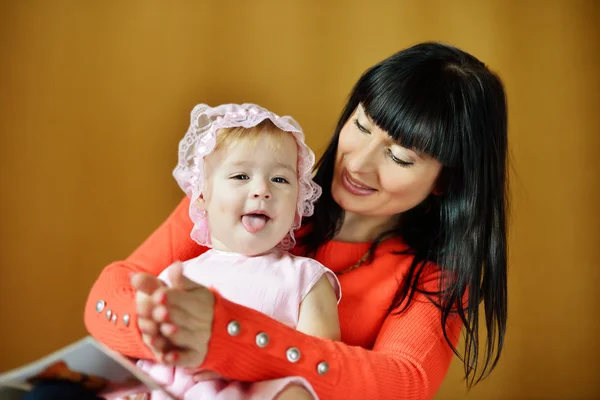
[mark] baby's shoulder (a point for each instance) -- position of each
(297, 261)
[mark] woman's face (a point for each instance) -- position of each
(374, 176)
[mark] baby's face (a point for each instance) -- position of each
(251, 193)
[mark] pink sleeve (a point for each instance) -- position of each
(310, 273)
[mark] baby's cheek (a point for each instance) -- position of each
(291, 208)
(228, 206)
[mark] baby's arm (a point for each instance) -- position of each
(318, 314)
(318, 317)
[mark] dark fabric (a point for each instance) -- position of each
(60, 390)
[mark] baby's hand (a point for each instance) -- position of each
(149, 328)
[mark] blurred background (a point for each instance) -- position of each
(94, 97)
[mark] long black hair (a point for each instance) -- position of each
(442, 101)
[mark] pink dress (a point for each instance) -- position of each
(275, 284)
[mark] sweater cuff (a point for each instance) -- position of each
(247, 345)
(110, 314)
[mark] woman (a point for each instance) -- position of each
(413, 221)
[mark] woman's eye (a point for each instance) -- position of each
(279, 180)
(240, 177)
(360, 127)
(399, 161)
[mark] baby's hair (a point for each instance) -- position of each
(228, 136)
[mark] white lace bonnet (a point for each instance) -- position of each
(200, 140)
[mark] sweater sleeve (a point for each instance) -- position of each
(409, 360)
(109, 313)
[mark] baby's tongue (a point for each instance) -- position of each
(254, 222)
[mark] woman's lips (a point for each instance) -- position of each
(355, 187)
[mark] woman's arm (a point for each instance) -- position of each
(409, 360)
(110, 310)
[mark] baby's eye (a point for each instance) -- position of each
(240, 177)
(279, 179)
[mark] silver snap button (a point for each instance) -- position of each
(233, 328)
(100, 305)
(292, 354)
(108, 314)
(322, 368)
(114, 318)
(126, 319)
(262, 339)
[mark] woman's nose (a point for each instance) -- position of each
(361, 160)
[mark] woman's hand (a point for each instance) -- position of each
(183, 314)
(146, 285)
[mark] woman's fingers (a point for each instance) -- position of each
(183, 337)
(185, 327)
(157, 343)
(147, 326)
(197, 303)
(168, 329)
(184, 358)
(172, 328)
(146, 283)
(174, 315)
(144, 306)
(175, 321)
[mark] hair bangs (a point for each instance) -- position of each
(230, 136)
(416, 111)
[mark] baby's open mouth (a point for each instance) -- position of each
(255, 221)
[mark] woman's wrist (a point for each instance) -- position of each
(247, 345)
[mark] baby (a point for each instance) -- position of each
(247, 172)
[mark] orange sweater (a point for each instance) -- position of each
(381, 356)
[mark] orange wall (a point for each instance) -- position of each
(94, 97)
